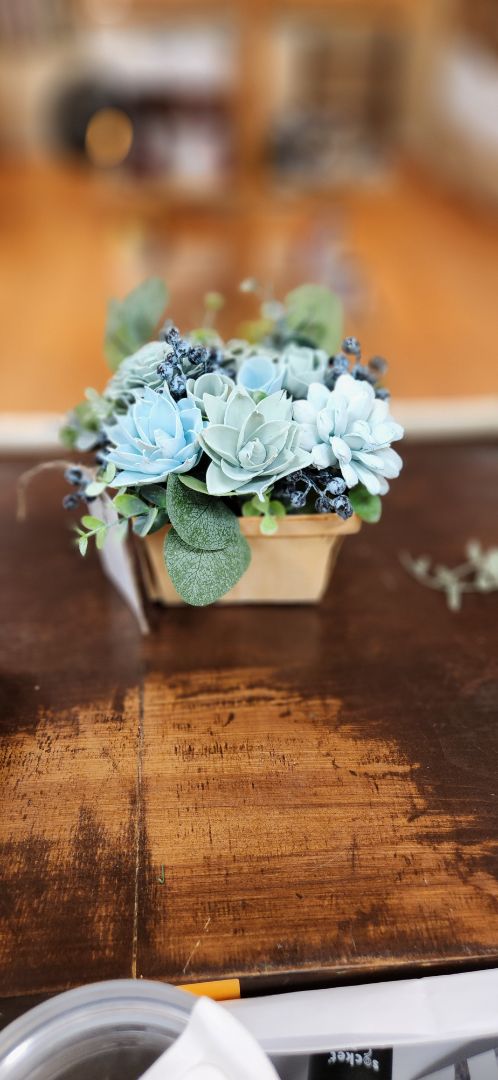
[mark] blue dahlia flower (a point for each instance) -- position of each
(156, 437)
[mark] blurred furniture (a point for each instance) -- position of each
(451, 109)
(295, 796)
(270, 138)
(299, 94)
(306, 93)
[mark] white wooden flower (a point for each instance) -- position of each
(351, 429)
(303, 366)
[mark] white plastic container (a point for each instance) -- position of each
(105, 1031)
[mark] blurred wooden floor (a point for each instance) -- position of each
(425, 297)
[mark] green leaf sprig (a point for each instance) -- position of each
(310, 315)
(314, 313)
(95, 528)
(269, 509)
(204, 551)
(478, 574)
(103, 477)
(131, 322)
(367, 507)
(147, 508)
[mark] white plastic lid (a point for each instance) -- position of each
(105, 1031)
(214, 1046)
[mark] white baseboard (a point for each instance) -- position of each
(422, 418)
(448, 418)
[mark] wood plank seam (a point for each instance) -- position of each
(138, 827)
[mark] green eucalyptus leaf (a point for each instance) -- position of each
(193, 483)
(200, 577)
(162, 519)
(68, 436)
(92, 522)
(153, 493)
(255, 330)
(250, 509)
(214, 301)
(100, 537)
(143, 524)
(313, 311)
(83, 545)
(368, 507)
(277, 508)
(204, 335)
(268, 525)
(130, 322)
(108, 473)
(202, 521)
(129, 506)
(95, 488)
(121, 530)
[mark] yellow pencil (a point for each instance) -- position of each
(219, 990)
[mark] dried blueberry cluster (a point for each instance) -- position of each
(349, 360)
(188, 360)
(326, 485)
(74, 476)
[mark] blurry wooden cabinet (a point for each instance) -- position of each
(221, 97)
(452, 104)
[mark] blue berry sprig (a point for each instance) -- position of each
(188, 360)
(348, 360)
(74, 476)
(86, 488)
(327, 486)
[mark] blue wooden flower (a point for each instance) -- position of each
(156, 437)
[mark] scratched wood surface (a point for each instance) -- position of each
(316, 786)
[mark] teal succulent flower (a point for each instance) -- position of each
(138, 370)
(303, 366)
(212, 385)
(156, 437)
(261, 374)
(251, 445)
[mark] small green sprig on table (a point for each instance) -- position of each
(478, 574)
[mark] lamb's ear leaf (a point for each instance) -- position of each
(131, 322)
(201, 577)
(202, 521)
(368, 507)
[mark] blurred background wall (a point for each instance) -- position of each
(347, 142)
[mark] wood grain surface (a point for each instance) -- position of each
(316, 785)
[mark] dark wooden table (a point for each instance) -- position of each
(319, 784)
